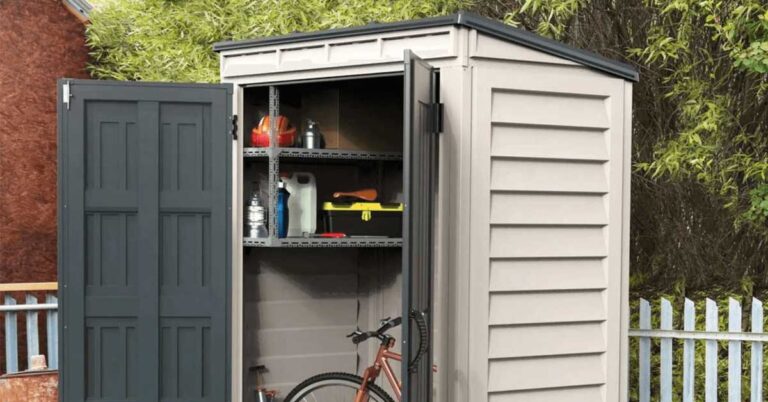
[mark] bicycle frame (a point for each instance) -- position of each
(381, 363)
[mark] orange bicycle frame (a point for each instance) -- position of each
(381, 363)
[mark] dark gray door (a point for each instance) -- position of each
(420, 165)
(144, 241)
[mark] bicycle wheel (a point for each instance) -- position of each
(334, 387)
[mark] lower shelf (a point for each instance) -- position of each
(316, 242)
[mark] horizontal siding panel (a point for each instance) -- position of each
(581, 394)
(548, 175)
(547, 274)
(546, 307)
(546, 340)
(576, 241)
(548, 142)
(550, 109)
(553, 209)
(305, 313)
(547, 372)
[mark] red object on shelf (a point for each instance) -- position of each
(286, 133)
(333, 235)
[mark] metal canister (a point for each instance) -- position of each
(312, 137)
(256, 218)
(265, 395)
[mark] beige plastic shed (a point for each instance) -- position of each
(528, 296)
(499, 232)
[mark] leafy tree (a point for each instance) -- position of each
(710, 58)
(700, 192)
(713, 56)
(167, 40)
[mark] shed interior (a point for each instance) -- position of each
(301, 294)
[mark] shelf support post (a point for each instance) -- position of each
(274, 160)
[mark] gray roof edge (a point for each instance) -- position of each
(470, 20)
(83, 7)
(546, 45)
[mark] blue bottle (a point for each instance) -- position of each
(282, 209)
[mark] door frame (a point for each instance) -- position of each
(237, 305)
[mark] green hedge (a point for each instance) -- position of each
(164, 40)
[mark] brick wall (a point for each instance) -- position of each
(40, 41)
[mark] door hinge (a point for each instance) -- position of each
(437, 113)
(234, 127)
(66, 94)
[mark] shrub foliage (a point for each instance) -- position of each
(700, 185)
(170, 40)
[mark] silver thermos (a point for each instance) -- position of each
(263, 395)
(256, 217)
(312, 138)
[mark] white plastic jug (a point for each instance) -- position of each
(302, 204)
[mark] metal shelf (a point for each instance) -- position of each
(300, 242)
(340, 154)
(274, 155)
(255, 242)
(252, 152)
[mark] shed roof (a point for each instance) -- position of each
(81, 8)
(465, 19)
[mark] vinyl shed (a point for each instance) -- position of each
(509, 152)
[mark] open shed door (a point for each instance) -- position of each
(420, 163)
(144, 241)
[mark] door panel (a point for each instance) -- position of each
(144, 256)
(420, 163)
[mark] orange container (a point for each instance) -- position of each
(286, 136)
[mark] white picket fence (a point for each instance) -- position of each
(29, 306)
(710, 336)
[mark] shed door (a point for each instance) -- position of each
(420, 161)
(144, 239)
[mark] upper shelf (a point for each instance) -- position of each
(301, 242)
(341, 154)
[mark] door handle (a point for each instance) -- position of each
(420, 318)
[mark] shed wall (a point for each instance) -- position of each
(547, 202)
(530, 275)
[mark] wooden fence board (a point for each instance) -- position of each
(689, 345)
(11, 339)
(644, 356)
(734, 352)
(756, 354)
(710, 360)
(52, 329)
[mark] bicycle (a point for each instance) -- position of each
(342, 387)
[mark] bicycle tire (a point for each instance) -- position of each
(345, 379)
